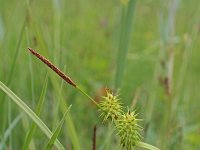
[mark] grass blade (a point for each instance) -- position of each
(30, 113)
(125, 33)
(8, 131)
(14, 60)
(147, 146)
(63, 106)
(57, 131)
(38, 111)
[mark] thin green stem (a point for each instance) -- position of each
(84, 93)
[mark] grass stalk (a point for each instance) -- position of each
(30, 69)
(10, 78)
(94, 138)
(58, 21)
(8, 131)
(63, 106)
(39, 107)
(169, 47)
(125, 34)
(57, 130)
(56, 109)
(84, 93)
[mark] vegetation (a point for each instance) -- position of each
(146, 52)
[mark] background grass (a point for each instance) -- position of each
(83, 37)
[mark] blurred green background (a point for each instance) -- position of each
(160, 76)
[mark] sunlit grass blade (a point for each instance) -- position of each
(8, 131)
(38, 111)
(147, 146)
(57, 130)
(30, 113)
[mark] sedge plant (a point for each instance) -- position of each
(111, 110)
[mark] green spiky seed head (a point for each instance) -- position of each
(128, 130)
(110, 107)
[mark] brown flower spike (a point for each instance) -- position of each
(53, 67)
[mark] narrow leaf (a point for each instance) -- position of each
(38, 111)
(147, 146)
(57, 130)
(9, 130)
(30, 113)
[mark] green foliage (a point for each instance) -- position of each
(30, 113)
(84, 36)
(32, 129)
(57, 131)
(125, 35)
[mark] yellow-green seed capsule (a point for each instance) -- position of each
(110, 107)
(128, 130)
